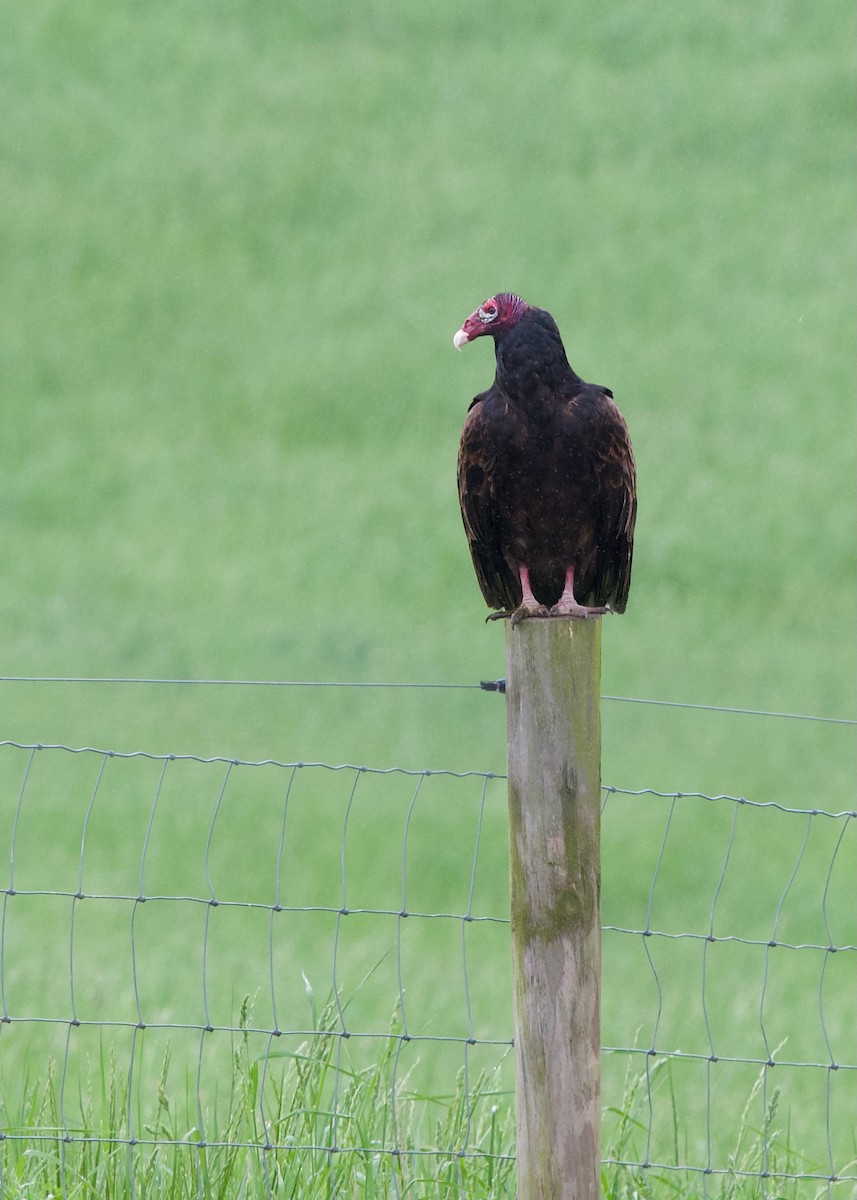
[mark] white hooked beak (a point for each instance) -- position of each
(460, 339)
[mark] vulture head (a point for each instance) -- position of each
(494, 316)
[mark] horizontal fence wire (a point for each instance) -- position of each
(312, 942)
(493, 685)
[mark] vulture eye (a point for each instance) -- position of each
(487, 313)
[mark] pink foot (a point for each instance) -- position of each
(573, 609)
(567, 606)
(529, 606)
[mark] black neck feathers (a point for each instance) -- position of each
(531, 358)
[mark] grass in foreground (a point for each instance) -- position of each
(321, 1128)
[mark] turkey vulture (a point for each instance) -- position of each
(546, 475)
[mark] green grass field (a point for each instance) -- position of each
(236, 242)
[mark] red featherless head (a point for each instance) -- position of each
(494, 316)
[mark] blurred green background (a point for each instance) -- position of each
(236, 242)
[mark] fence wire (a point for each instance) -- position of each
(488, 685)
(323, 950)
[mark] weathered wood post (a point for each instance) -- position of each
(553, 670)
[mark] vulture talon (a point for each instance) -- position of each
(526, 612)
(579, 611)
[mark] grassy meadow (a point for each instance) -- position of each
(236, 243)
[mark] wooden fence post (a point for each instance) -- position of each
(553, 670)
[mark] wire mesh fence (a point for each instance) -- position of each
(315, 958)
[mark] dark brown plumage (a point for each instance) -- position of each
(546, 474)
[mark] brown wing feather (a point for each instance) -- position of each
(615, 475)
(477, 462)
